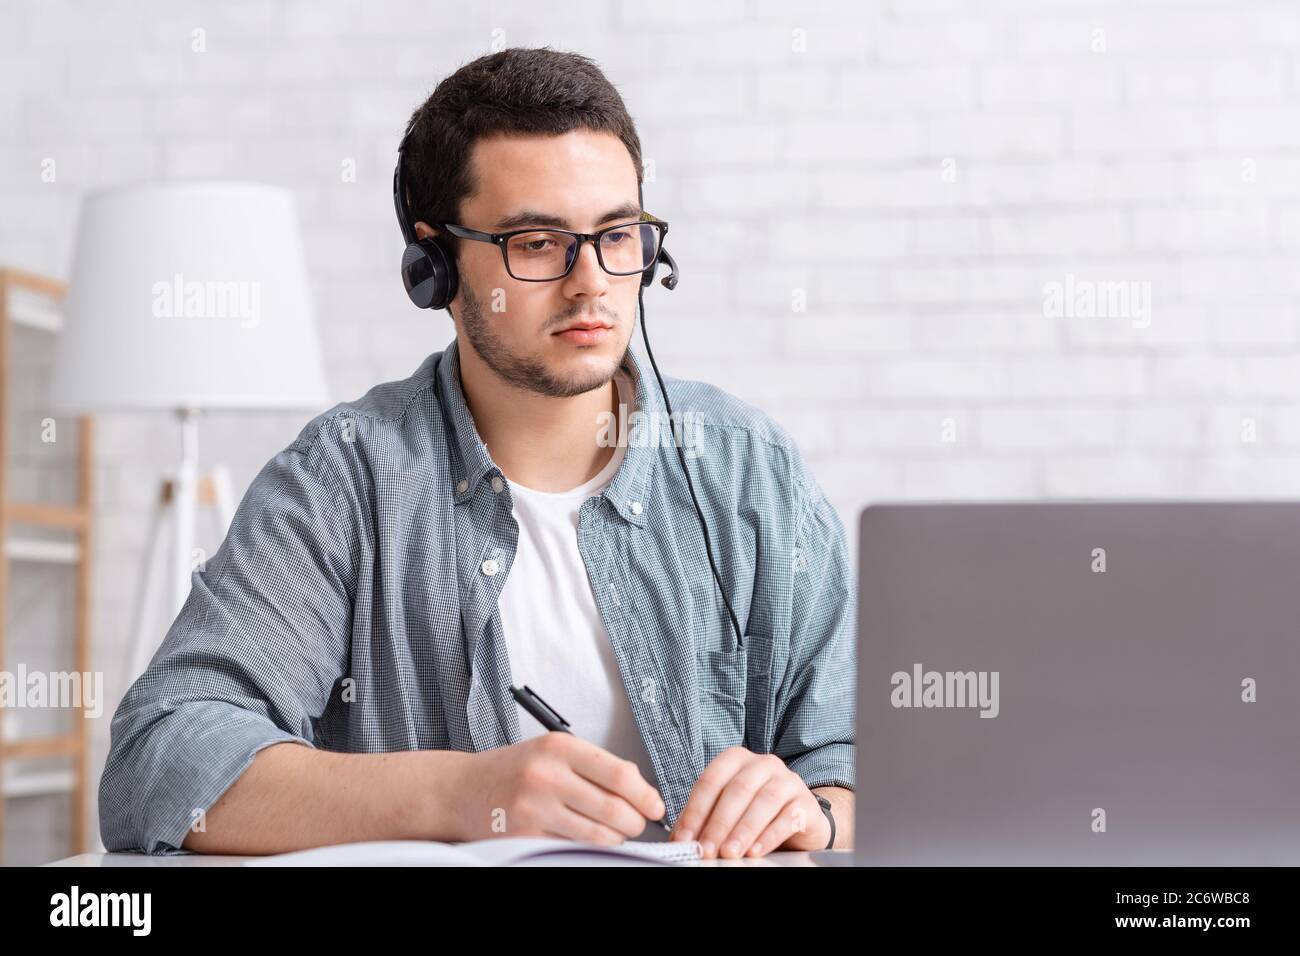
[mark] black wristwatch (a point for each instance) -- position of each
(826, 809)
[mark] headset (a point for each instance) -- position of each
(430, 277)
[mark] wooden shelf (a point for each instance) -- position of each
(38, 784)
(37, 748)
(70, 517)
(36, 316)
(39, 550)
(38, 305)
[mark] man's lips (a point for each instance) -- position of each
(588, 335)
(585, 332)
(584, 325)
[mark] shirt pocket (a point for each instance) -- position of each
(735, 699)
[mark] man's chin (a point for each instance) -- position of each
(586, 367)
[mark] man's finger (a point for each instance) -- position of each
(574, 826)
(780, 790)
(618, 776)
(788, 821)
(707, 787)
(736, 797)
(603, 806)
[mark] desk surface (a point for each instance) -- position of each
(778, 858)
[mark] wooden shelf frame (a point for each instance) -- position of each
(77, 519)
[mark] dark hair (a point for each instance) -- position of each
(518, 90)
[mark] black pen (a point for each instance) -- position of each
(548, 718)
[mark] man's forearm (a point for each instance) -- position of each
(292, 797)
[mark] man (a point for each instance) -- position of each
(342, 668)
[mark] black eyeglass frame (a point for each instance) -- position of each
(500, 240)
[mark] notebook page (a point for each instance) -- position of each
(507, 851)
(671, 851)
(373, 853)
(498, 851)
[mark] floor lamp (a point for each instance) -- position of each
(186, 298)
(172, 524)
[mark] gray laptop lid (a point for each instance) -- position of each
(1138, 663)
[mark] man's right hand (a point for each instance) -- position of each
(556, 785)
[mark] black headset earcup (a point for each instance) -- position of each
(429, 274)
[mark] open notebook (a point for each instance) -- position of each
(502, 851)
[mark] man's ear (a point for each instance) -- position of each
(424, 231)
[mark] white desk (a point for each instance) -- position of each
(778, 858)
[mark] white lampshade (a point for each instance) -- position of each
(188, 295)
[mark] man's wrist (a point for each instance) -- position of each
(436, 804)
(812, 835)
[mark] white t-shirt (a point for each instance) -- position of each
(557, 643)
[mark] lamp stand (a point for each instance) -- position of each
(174, 515)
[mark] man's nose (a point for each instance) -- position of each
(587, 273)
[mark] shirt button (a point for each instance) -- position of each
(462, 486)
(489, 567)
(636, 507)
(497, 484)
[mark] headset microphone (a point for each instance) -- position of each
(430, 277)
(670, 280)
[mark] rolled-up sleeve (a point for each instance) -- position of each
(815, 701)
(251, 660)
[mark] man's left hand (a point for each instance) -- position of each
(750, 804)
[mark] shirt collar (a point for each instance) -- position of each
(628, 490)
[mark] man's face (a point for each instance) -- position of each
(581, 181)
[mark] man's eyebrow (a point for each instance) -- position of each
(531, 217)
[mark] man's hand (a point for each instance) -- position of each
(748, 803)
(556, 785)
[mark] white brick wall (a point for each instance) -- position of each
(973, 150)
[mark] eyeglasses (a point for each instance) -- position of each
(544, 255)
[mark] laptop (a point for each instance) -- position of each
(1078, 684)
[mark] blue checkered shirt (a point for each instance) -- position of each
(349, 609)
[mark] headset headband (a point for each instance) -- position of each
(399, 191)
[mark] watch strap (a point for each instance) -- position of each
(830, 817)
